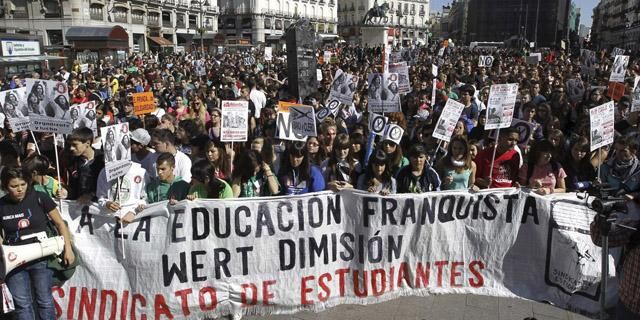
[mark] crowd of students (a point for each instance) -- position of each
(177, 153)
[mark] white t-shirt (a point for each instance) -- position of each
(159, 112)
(132, 189)
(183, 166)
(259, 100)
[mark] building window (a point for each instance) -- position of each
(51, 9)
(120, 14)
(246, 23)
(95, 12)
(137, 17)
(166, 19)
(154, 19)
(55, 37)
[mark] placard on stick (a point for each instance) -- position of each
(143, 103)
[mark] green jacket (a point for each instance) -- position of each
(159, 191)
(200, 191)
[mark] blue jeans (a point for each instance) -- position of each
(36, 277)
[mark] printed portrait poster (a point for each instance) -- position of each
(588, 62)
(343, 87)
(501, 105)
(116, 146)
(402, 70)
(575, 90)
(602, 121)
(48, 106)
(13, 106)
(84, 116)
(268, 53)
(619, 68)
(635, 95)
(448, 120)
(384, 92)
(235, 121)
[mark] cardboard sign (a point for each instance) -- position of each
(13, 104)
(501, 104)
(284, 129)
(333, 105)
(619, 69)
(303, 120)
(402, 70)
(84, 68)
(384, 92)
(377, 123)
(48, 106)
(575, 90)
(143, 103)
(393, 132)
(319, 75)
(616, 90)
(268, 53)
(588, 62)
(249, 60)
(235, 121)
(84, 116)
(617, 52)
(485, 61)
(434, 70)
(343, 87)
(448, 120)
(116, 145)
(323, 113)
(635, 97)
(602, 120)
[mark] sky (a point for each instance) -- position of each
(586, 8)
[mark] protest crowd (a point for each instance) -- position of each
(393, 137)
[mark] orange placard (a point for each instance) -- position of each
(615, 90)
(143, 103)
(283, 106)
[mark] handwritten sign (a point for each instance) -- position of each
(143, 103)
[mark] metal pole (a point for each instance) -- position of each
(535, 35)
(605, 273)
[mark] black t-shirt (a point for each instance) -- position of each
(26, 217)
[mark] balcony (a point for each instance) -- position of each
(181, 24)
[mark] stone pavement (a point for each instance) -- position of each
(446, 307)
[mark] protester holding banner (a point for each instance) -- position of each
(418, 176)
(167, 185)
(456, 169)
(378, 177)
(542, 172)
(256, 179)
(577, 165)
(204, 185)
(341, 169)
(32, 279)
(221, 158)
(506, 163)
(297, 174)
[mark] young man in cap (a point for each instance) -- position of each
(140, 139)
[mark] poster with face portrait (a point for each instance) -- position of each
(635, 95)
(84, 116)
(602, 119)
(448, 120)
(619, 69)
(48, 106)
(343, 87)
(116, 145)
(13, 106)
(575, 90)
(235, 121)
(501, 105)
(384, 92)
(587, 62)
(402, 70)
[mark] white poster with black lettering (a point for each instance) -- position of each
(116, 145)
(635, 96)
(501, 105)
(235, 121)
(284, 126)
(268, 53)
(401, 68)
(303, 120)
(48, 105)
(84, 116)
(448, 119)
(602, 125)
(619, 68)
(434, 70)
(13, 104)
(384, 92)
(485, 61)
(393, 132)
(343, 87)
(377, 123)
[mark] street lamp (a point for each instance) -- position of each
(201, 30)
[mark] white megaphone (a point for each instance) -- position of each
(15, 256)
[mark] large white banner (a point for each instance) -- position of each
(501, 105)
(602, 120)
(280, 255)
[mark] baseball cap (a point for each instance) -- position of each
(141, 136)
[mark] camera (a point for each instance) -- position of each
(607, 199)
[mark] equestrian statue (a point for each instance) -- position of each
(377, 11)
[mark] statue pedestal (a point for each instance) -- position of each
(374, 35)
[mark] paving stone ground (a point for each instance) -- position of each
(446, 307)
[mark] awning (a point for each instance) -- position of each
(161, 41)
(97, 33)
(29, 59)
(328, 36)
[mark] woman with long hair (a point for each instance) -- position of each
(253, 177)
(396, 159)
(205, 185)
(297, 175)
(316, 154)
(543, 174)
(457, 169)
(377, 177)
(577, 164)
(341, 169)
(198, 111)
(220, 159)
(215, 125)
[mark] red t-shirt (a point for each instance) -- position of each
(505, 167)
